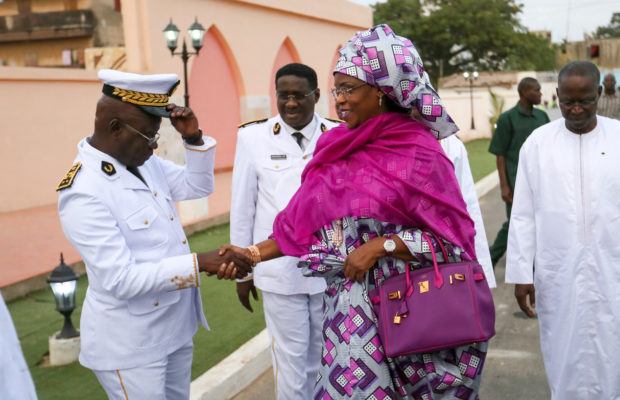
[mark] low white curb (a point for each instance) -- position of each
(235, 372)
(252, 359)
(486, 184)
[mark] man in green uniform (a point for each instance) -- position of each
(513, 127)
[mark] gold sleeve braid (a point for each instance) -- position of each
(192, 280)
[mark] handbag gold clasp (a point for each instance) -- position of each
(459, 277)
(394, 295)
(423, 286)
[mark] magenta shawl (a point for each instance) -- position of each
(390, 168)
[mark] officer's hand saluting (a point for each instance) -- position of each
(185, 122)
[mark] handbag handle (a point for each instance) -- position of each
(443, 249)
(438, 276)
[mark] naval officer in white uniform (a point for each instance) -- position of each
(271, 155)
(457, 153)
(116, 206)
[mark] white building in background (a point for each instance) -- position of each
(459, 97)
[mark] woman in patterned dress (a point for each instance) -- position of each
(380, 177)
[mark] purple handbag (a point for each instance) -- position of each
(428, 309)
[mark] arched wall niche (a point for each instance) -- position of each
(286, 55)
(215, 88)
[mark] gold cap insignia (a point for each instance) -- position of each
(108, 168)
(276, 128)
(67, 181)
(140, 98)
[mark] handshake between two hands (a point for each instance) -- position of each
(227, 262)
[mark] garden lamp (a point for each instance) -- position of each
(63, 282)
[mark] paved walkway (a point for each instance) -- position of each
(31, 240)
(514, 368)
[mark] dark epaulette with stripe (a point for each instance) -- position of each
(336, 120)
(256, 121)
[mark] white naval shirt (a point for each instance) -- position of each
(136, 254)
(457, 153)
(266, 174)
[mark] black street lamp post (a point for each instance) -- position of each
(196, 33)
(471, 77)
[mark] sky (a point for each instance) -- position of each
(557, 15)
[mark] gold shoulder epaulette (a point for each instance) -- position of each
(256, 121)
(67, 181)
(339, 121)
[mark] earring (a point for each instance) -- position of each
(380, 101)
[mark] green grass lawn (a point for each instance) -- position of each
(481, 161)
(35, 317)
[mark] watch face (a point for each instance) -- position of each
(389, 245)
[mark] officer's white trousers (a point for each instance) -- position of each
(166, 379)
(294, 326)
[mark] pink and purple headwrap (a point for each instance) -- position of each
(391, 63)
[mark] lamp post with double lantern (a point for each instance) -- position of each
(196, 33)
(471, 77)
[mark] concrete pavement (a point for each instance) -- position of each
(514, 367)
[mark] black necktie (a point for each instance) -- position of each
(299, 137)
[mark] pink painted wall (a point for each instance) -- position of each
(46, 112)
(214, 95)
(50, 110)
(254, 31)
(286, 55)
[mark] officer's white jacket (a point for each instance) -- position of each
(136, 254)
(457, 153)
(266, 174)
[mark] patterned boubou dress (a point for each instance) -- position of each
(353, 364)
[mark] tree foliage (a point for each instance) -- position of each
(532, 53)
(459, 35)
(609, 31)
